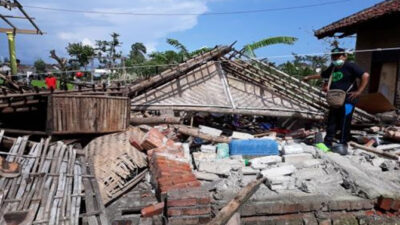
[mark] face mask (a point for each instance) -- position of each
(338, 62)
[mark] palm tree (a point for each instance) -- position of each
(182, 49)
(250, 48)
(138, 52)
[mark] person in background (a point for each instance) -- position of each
(51, 82)
(344, 75)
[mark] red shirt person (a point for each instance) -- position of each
(51, 82)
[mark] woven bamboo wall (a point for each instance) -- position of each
(87, 114)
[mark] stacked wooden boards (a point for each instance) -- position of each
(55, 186)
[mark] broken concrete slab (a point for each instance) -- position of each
(279, 171)
(215, 168)
(249, 171)
(210, 131)
(311, 163)
(297, 159)
(292, 149)
(240, 135)
(361, 182)
(264, 162)
(206, 176)
(208, 148)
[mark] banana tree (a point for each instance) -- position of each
(182, 49)
(249, 49)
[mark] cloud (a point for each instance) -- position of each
(63, 27)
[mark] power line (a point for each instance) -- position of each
(186, 14)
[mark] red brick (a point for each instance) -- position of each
(396, 205)
(182, 202)
(204, 200)
(135, 142)
(189, 211)
(204, 220)
(370, 213)
(183, 220)
(384, 203)
(152, 210)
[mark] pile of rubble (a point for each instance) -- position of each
(193, 178)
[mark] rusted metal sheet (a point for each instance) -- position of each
(67, 114)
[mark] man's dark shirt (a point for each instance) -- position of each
(343, 77)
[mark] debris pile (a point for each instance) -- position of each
(300, 178)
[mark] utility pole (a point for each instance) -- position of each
(11, 49)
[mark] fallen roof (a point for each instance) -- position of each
(210, 88)
(347, 24)
(212, 82)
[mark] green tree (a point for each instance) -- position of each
(200, 51)
(40, 66)
(250, 48)
(107, 52)
(138, 53)
(179, 46)
(303, 66)
(81, 53)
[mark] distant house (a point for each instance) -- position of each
(375, 27)
(4, 69)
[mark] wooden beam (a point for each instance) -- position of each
(260, 112)
(376, 151)
(233, 206)
(155, 120)
(195, 132)
(18, 31)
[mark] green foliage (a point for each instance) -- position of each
(138, 53)
(42, 84)
(200, 51)
(182, 49)
(303, 66)
(106, 51)
(250, 48)
(40, 66)
(81, 53)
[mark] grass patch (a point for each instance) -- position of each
(41, 84)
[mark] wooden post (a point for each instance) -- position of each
(376, 151)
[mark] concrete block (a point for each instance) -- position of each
(246, 179)
(279, 171)
(310, 174)
(208, 148)
(213, 167)
(202, 156)
(378, 162)
(263, 162)
(281, 183)
(210, 131)
(297, 159)
(205, 176)
(240, 135)
(309, 163)
(249, 171)
(235, 164)
(292, 149)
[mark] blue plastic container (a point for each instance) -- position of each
(253, 147)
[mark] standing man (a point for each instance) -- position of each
(344, 75)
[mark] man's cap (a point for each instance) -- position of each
(338, 51)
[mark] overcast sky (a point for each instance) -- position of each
(195, 31)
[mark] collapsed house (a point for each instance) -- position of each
(166, 172)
